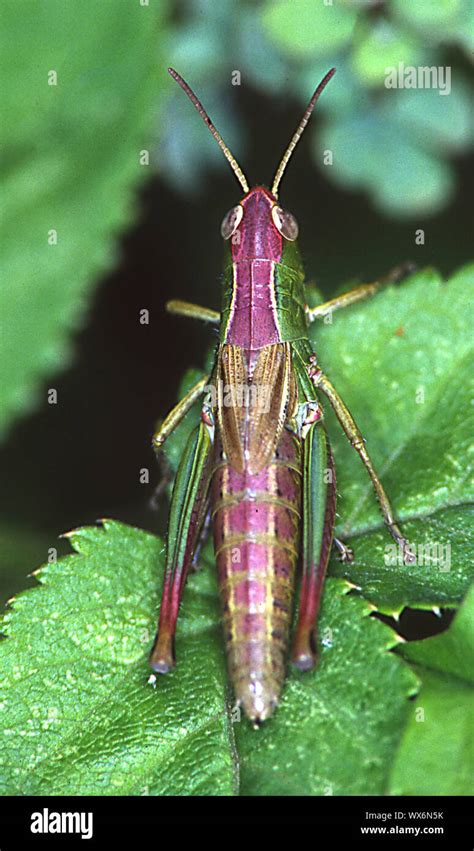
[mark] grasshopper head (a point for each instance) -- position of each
(258, 225)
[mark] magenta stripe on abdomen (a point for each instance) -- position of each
(256, 521)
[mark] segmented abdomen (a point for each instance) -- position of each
(256, 522)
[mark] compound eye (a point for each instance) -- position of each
(231, 221)
(285, 223)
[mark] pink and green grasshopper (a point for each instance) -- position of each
(259, 464)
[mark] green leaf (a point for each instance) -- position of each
(337, 729)
(442, 571)
(437, 751)
(71, 163)
(303, 28)
(344, 89)
(444, 21)
(77, 713)
(370, 151)
(403, 364)
(270, 72)
(435, 121)
(75, 670)
(383, 46)
(426, 14)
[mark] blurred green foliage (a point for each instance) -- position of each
(82, 98)
(393, 143)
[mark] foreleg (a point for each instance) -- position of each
(193, 311)
(358, 293)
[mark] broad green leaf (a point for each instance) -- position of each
(436, 756)
(77, 714)
(442, 571)
(304, 28)
(71, 163)
(403, 364)
(337, 729)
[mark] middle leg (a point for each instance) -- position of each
(178, 413)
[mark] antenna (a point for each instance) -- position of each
(299, 132)
(217, 136)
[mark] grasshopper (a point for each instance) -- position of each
(259, 464)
